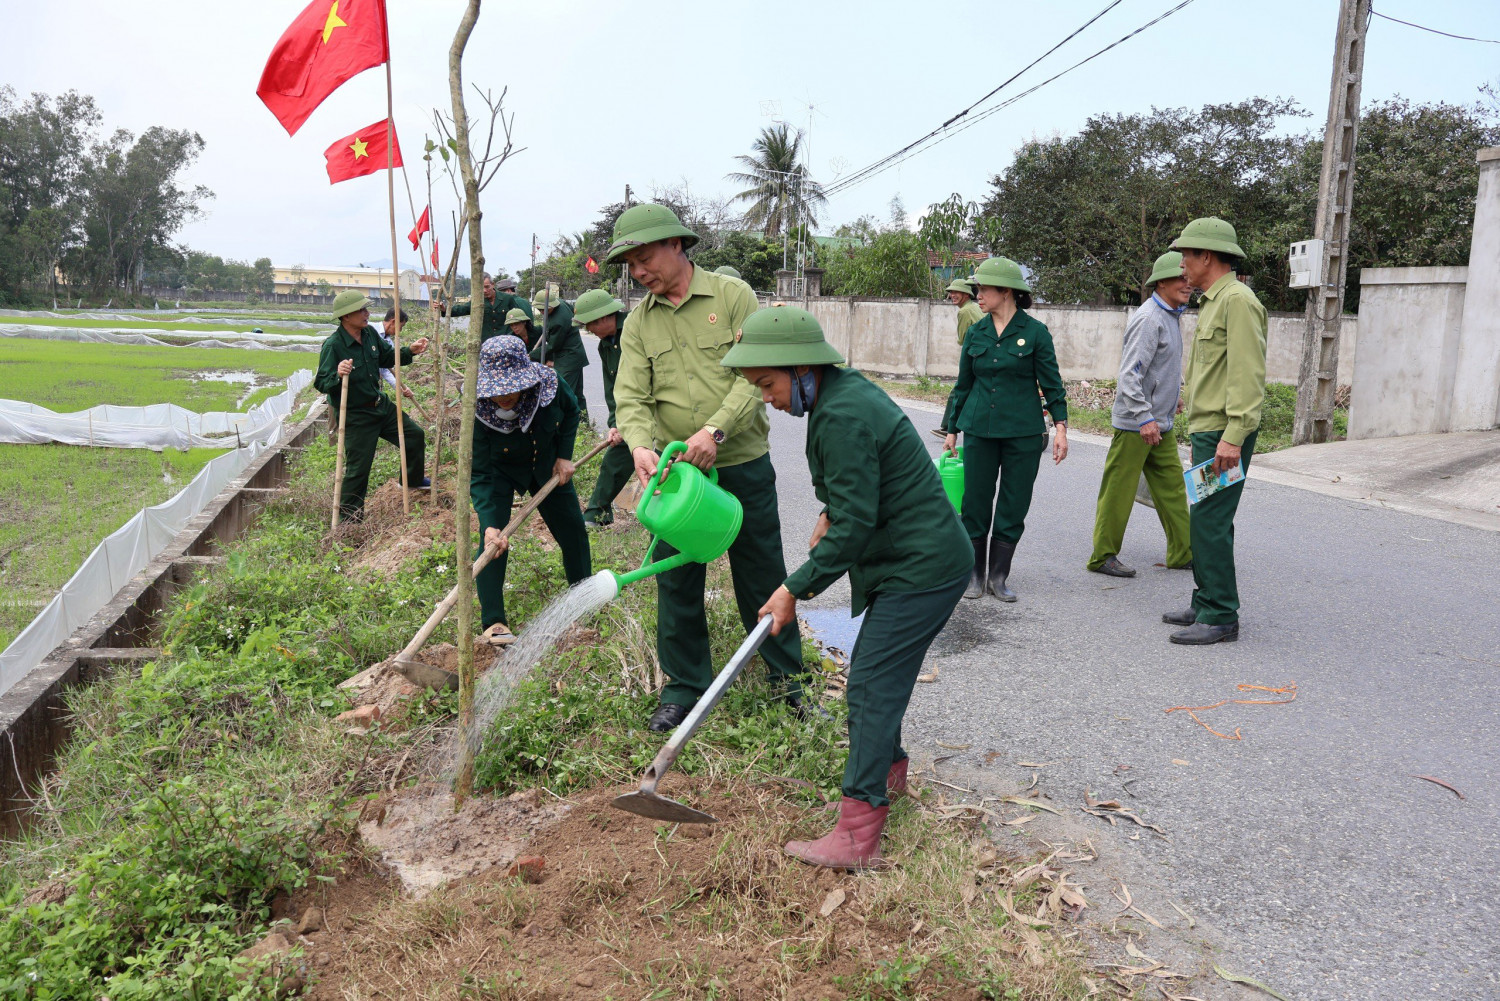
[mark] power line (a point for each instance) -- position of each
(943, 133)
(1445, 34)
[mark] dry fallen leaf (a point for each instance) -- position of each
(1134, 953)
(1184, 913)
(1179, 761)
(1034, 764)
(954, 747)
(1034, 804)
(832, 902)
(1235, 978)
(1021, 820)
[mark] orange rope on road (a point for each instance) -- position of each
(1192, 711)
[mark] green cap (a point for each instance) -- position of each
(1168, 265)
(349, 301)
(517, 315)
(643, 224)
(725, 269)
(1000, 272)
(963, 285)
(1210, 233)
(595, 304)
(779, 337)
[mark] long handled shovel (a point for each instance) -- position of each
(338, 467)
(435, 677)
(646, 802)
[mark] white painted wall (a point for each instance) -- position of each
(1476, 385)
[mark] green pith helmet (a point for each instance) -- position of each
(349, 301)
(643, 224)
(539, 303)
(1209, 233)
(593, 305)
(725, 269)
(960, 285)
(780, 337)
(1000, 272)
(1168, 265)
(516, 316)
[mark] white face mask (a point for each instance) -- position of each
(508, 415)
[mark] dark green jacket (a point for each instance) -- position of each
(516, 462)
(370, 356)
(996, 392)
(564, 344)
(609, 359)
(494, 315)
(891, 526)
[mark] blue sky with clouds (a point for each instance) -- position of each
(662, 93)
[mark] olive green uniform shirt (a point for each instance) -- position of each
(968, 315)
(1226, 376)
(370, 355)
(671, 385)
(890, 525)
(996, 392)
(494, 314)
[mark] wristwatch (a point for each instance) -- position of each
(716, 434)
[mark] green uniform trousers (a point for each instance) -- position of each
(1011, 461)
(1216, 596)
(363, 429)
(757, 568)
(893, 639)
(574, 378)
(559, 510)
(1129, 457)
(615, 470)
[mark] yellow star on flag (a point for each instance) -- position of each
(359, 148)
(334, 21)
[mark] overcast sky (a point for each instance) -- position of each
(655, 93)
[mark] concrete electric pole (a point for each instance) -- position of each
(1317, 380)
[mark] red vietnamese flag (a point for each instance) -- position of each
(434, 254)
(423, 225)
(331, 41)
(591, 265)
(361, 153)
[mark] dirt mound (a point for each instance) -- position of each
(388, 539)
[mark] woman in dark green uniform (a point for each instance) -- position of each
(886, 523)
(1004, 358)
(525, 423)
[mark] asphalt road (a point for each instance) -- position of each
(1308, 853)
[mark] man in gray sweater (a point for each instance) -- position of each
(1146, 399)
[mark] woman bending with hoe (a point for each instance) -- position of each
(525, 423)
(886, 523)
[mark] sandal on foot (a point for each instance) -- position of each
(497, 636)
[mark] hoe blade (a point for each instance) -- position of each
(649, 804)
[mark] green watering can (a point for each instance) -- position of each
(951, 468)
(689, 511)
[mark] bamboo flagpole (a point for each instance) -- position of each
(390, 191)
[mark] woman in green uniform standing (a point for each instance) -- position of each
(886, 523)
(525, 424)
(1005, 357)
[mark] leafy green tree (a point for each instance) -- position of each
(757, 260)
(263, 280)
(894, 263)
(780, 192)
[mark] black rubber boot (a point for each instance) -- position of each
(1185, 618)
(1203, 634)
(1000, 557)
(976, 577)
(667, 717)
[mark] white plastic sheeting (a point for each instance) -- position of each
(119, 335)
(159, 426)
(116, 560)
(176, 316)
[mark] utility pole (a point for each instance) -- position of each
(1317, 380)
(624, 295)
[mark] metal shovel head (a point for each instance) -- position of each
(425, 675)
(649, 804)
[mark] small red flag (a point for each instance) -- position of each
(329, 42)
(591, 266)
(361, 153)
(423, 225)
(434, 254)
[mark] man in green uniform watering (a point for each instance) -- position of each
(671, 387)
(887, 523)
(961, 294)
(1226, 386)
(559, 346)
(602, 315)
(499, 299)
(356, 350)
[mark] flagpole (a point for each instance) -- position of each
(390, 191)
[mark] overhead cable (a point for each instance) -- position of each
(1445, 34)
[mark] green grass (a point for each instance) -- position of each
(57, 502)
(67, 376)
(240, 324)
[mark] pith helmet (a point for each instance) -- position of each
(539, 302)
(516, 316)
(349, 301)
(1209, 233)
(960, 285)
(725, 269)
(1168, 265)
(593, 305)
(1001, 272)
(643, 224)
(780, 337)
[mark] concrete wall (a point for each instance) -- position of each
(1476, 385)
(1410, 324)
(918, 337)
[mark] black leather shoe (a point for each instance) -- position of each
(1182, 566)
(1114, 568)
(976, 576)
(804, 710)
(668, 716)
(1000, 557)
(1202, 634)
(1186, 618)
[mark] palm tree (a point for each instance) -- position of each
(780, 193)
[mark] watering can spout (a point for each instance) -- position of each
(609, 582)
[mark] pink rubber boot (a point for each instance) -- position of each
(895, 779)
(853, 844)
